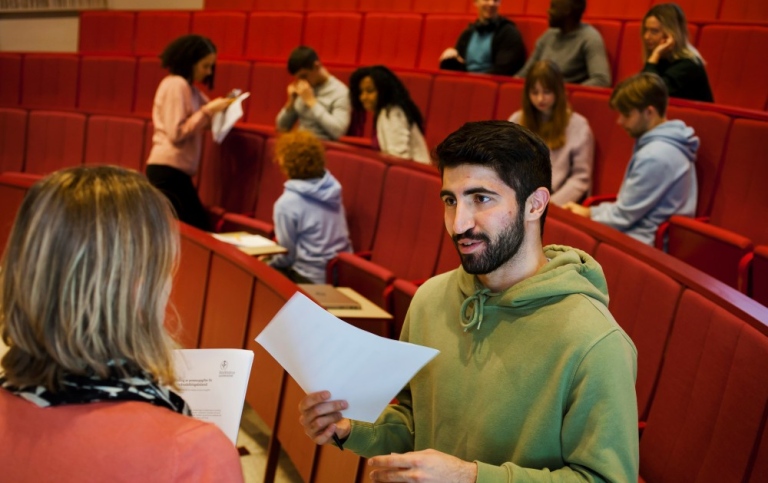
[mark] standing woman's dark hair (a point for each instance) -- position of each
(181, 55)
(391, 92)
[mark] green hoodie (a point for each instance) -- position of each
(534, 384)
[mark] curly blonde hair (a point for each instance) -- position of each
(300, 155)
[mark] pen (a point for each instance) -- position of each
(338, 442)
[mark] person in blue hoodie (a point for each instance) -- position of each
(309, 216)
(660, 180)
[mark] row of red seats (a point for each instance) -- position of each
(731, 10)
(408, 40)
(701, 388)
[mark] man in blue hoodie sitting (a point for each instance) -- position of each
(660, 180)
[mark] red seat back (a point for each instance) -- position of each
(227, 301)
(531, 29)
(155, 30)
(268, 92)
(228, 4)
(362, 181)
(10, 88)
(439, 33)
(643, 301)
(55, 140)
(292, 5)
(231, 74)
(419, 86)
(273, 35)
(149, 73)
(391, 39)
(759, 276)
(225, 29)
(185, 314)
(440, 6)
(13, 136)
(613, 146)
(456, 100)
(510, 99)
(13, 188)
(737, 80)
(334, 36)
(698, 10)
(744, 10)
(107, 84)
(614, 9)
(557, 232)
(107, 32)
(332, 5)
(610, 30)
(711, 397)
(271, 182)
(37, 90)
(385, 5)
(117, 141)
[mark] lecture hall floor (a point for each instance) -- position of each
(255, 438)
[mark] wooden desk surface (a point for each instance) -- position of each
(232, 237)
(367, 310)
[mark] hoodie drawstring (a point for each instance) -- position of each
(479, 298)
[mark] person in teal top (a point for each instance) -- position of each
(535, 379)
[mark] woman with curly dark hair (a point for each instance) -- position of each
(397, 119)
(180, 114)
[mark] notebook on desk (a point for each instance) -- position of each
(328, 297)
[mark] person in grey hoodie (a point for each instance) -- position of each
(660, 180)
(309, 217)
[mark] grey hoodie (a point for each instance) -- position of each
(660, 182)
(310, 223)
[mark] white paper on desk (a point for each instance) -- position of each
(213, 383)
(246, 240)
(322, 353)
(223, 121)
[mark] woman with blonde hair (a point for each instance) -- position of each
(669, 54)
(85, 383)
(546, 112)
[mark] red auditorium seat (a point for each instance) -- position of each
(419, 86)
(13, 136)
(408, 236)
(530, 30)
(362, 181)
(610, 30)
(227, 300)
(106, 32)
(737, 80)
(149, 73)
(557, 232)
(229, 172)
(10, 88)
(440, 6)
(55, 140)
(273, 35)
(292, 5)
(758, 282)
(597, 8)
(390, 39)
(712, 129)
(185, 313)
(334, 36)
(643, 301)
(107, 84)
(155, 30)
(510, 99)
(13, 188)
(225, 29)
(759, 472)
(228, 4)
(456, 100)
(230, 74)
(117, 141)
(744, 10)
(268, 93)
(385, 6)
(37, 90)
(440, 32)
(613, 146)
(330, 5)
(698, 10)
(709, 405)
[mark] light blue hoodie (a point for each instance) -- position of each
(311, 224)
(660, 182)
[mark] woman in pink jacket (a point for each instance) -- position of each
(180, 115)
(86, 385)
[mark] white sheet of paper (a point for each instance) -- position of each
(322, 352)
(213, 382)
(223, 121)
(248, 241)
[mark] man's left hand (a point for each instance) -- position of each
(304, 90)
(422, 466)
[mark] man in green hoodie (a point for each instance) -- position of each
(535, 379)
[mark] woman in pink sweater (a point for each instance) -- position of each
(571, 144)
(180, 115)
(85, 389)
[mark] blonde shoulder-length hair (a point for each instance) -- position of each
(86, 277)
(673, 23)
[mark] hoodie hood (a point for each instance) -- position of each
(675, 133)
(325, 190)
(568, 272)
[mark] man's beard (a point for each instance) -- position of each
(497, 252)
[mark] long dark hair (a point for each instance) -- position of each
(181, 55)
(390, 92)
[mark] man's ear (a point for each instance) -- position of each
(536, 204)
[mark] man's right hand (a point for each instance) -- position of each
(291, 91)
(321, 417)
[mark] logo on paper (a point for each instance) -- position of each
(223, 365)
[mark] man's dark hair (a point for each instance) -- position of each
(302, 57)
(519, 157)
(577, 9)
(181, 55)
